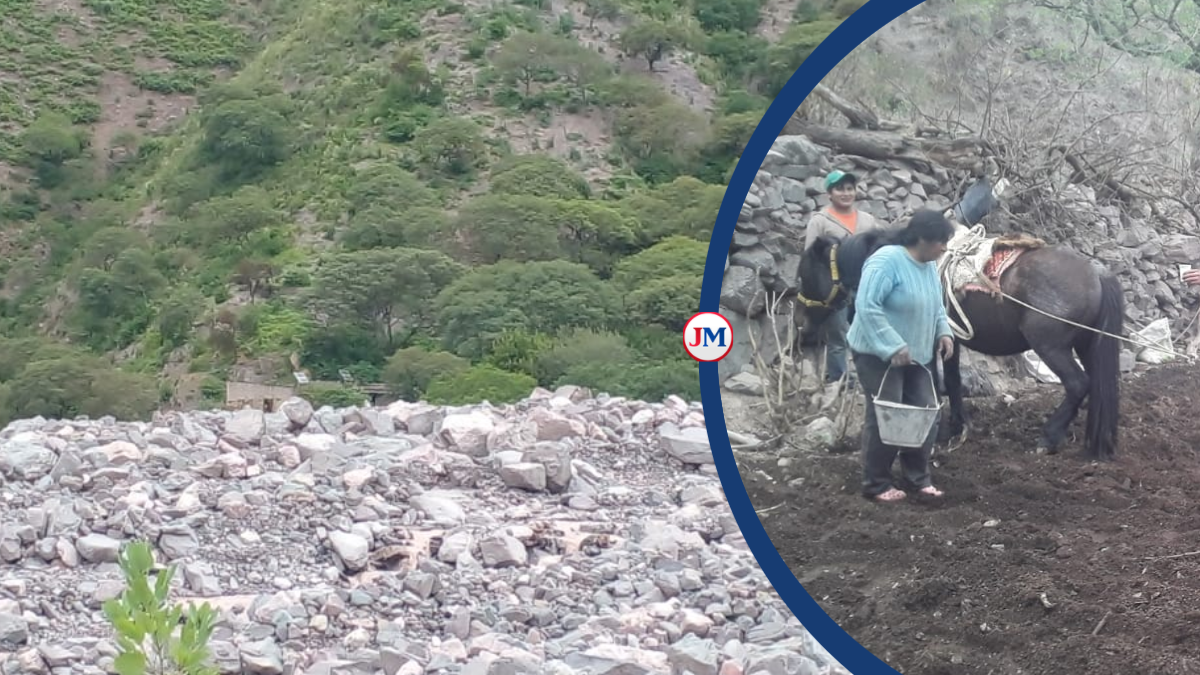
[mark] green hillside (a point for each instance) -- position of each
(461, 200)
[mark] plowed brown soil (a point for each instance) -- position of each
(1022, 561)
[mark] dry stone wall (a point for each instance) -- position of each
(764, 254)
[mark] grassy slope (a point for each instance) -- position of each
(129, 72)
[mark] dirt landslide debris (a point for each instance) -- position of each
(1031, 564)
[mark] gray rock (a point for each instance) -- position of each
(694, 655)
(525, 476)
(14, 631)
(246, 426)
(26, 460)
(298, 411)
(501, 550)
(742, 291)
(555, 460)
(353, 550)
(262, 657)
(689, 444)
(98, 548)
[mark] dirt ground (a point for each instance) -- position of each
(961, 587)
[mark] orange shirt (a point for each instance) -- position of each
(850, 220)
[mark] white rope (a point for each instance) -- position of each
(1145, 345)
(962, 246)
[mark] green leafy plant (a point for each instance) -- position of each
(146, 624)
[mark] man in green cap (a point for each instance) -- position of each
(839, 220)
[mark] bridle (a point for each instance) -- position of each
(837, 288)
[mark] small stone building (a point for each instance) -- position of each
(265, 397)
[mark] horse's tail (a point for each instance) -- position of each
(1104, 372)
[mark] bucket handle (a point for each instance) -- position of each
(883, 381)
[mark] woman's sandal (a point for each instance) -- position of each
(892, 495)
(931, 491)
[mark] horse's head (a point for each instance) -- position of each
(821, 290)
(830, 270)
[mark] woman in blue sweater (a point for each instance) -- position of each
(900, 321)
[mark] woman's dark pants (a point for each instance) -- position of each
(909, 384)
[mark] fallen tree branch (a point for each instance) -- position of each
(965, 153)
(1084, 174)
(859, 117)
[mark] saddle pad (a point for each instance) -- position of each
(997, 264)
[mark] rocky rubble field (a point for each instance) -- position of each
(564, 534)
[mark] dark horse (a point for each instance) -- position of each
(1054, 279)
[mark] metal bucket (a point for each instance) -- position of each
(904, 425)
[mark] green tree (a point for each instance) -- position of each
(491, 228)
(685, 206)
(652, 39)
(603, 10)
(246, 136)
(482, 382)
(49, 143)
(661, 140)
(385, 226)
(390, 186)
(451, 144)
(410, 370)
(177, 315)
(722, 15)
(661, 285)
(786, 56)
(327, 349)
(583, 67)
(537, 175)
(517, 351)
(595, 234)
(527, 57)
(125, 292)
(410, 83)
(230, 221)
(541, 297)
(668, 301)
(67, 386)
(673, 256)
(384, 287)
(522, 228)
(577, 347)
(104, 247)
(254, 275)
(649, 382)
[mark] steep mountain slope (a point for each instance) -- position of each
(460, 199)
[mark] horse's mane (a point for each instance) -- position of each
(852, 253)
(855, 249)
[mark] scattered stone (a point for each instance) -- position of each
(559, 534)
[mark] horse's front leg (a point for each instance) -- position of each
(952, 376)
